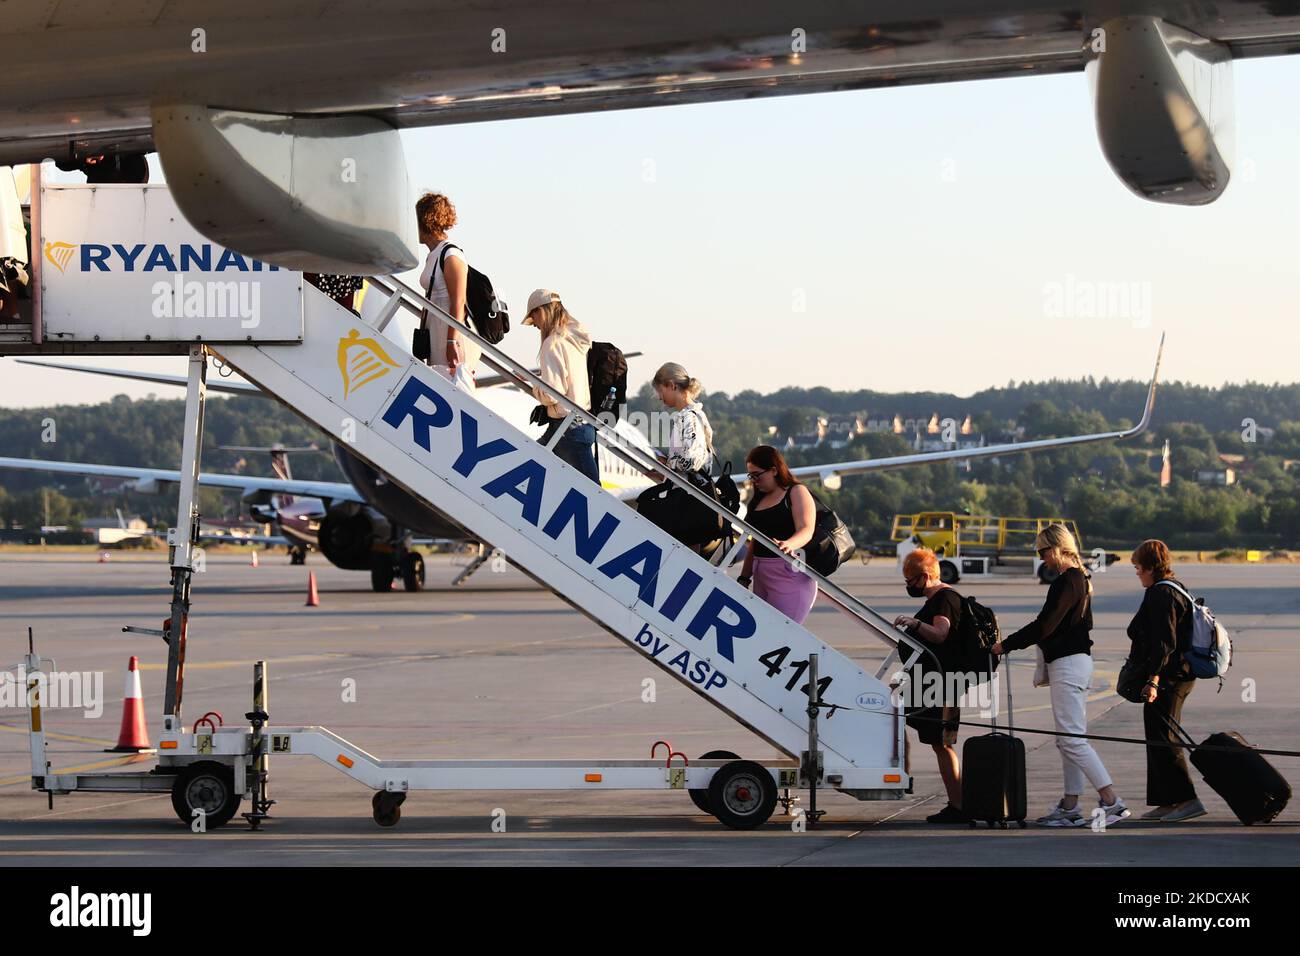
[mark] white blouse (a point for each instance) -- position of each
(688, 440)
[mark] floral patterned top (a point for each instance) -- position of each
(338, 288)
(690, 440)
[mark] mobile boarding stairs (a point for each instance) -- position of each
(840, 727)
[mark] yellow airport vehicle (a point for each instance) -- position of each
(981, 545)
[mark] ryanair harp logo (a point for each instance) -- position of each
(59, 253)
(361, 361)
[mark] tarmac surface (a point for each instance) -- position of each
(500, 668)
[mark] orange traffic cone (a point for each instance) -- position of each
(252, 561)
(133, 737)
(313, 599)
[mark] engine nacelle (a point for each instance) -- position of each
(309, 193)
(1164, 104)
(351, 533)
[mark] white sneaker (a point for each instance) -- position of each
(1115, 812)
(1061, 817)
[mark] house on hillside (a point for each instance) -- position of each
(1216, 476)
(842, 429)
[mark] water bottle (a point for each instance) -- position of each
(610, 400)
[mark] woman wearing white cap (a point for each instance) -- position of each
(562, 358)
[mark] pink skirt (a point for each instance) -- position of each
(791, 593)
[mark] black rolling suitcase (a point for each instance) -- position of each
(993, 773)
(1248, 783)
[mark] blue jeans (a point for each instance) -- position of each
(577, 446)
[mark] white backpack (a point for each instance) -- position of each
(1211, 652)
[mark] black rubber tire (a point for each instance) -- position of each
(700, 795)
(386, 807)
(742, 795)
(382, 574)
(948, 573)
(413, 571)
(297, 556)
(207, 785)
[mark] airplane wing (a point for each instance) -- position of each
(830, 474)
(246, 538)
(230, 538)
(214, 384)
(228, 386)
(148, 479)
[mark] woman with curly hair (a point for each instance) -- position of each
(444, 280)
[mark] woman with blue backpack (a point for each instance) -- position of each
(1160, 633)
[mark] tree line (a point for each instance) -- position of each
(1112, 490)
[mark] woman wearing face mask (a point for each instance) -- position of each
(783, 509)
(935, 624)
(1062, 630)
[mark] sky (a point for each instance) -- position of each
(944, 237)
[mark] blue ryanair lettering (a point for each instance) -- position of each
(525, 483)
(625, 565)
(407, 405)
(574, 509)
(710, 616)
(641, 563)
(128, 258)
(230, 258)
(162, 258)
(471, 451)
(95, 255)
(193, 259)
(681, 593)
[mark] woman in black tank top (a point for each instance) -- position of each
(782, 509)
(776, 521)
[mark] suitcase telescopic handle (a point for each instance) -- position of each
(1178, 730)
(1011, 711)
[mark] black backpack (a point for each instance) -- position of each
(489, 314)
(977, 633)
(606, 370)
(728, 495)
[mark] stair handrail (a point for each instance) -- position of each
(416, 302)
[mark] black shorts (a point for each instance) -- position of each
(935, 725)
